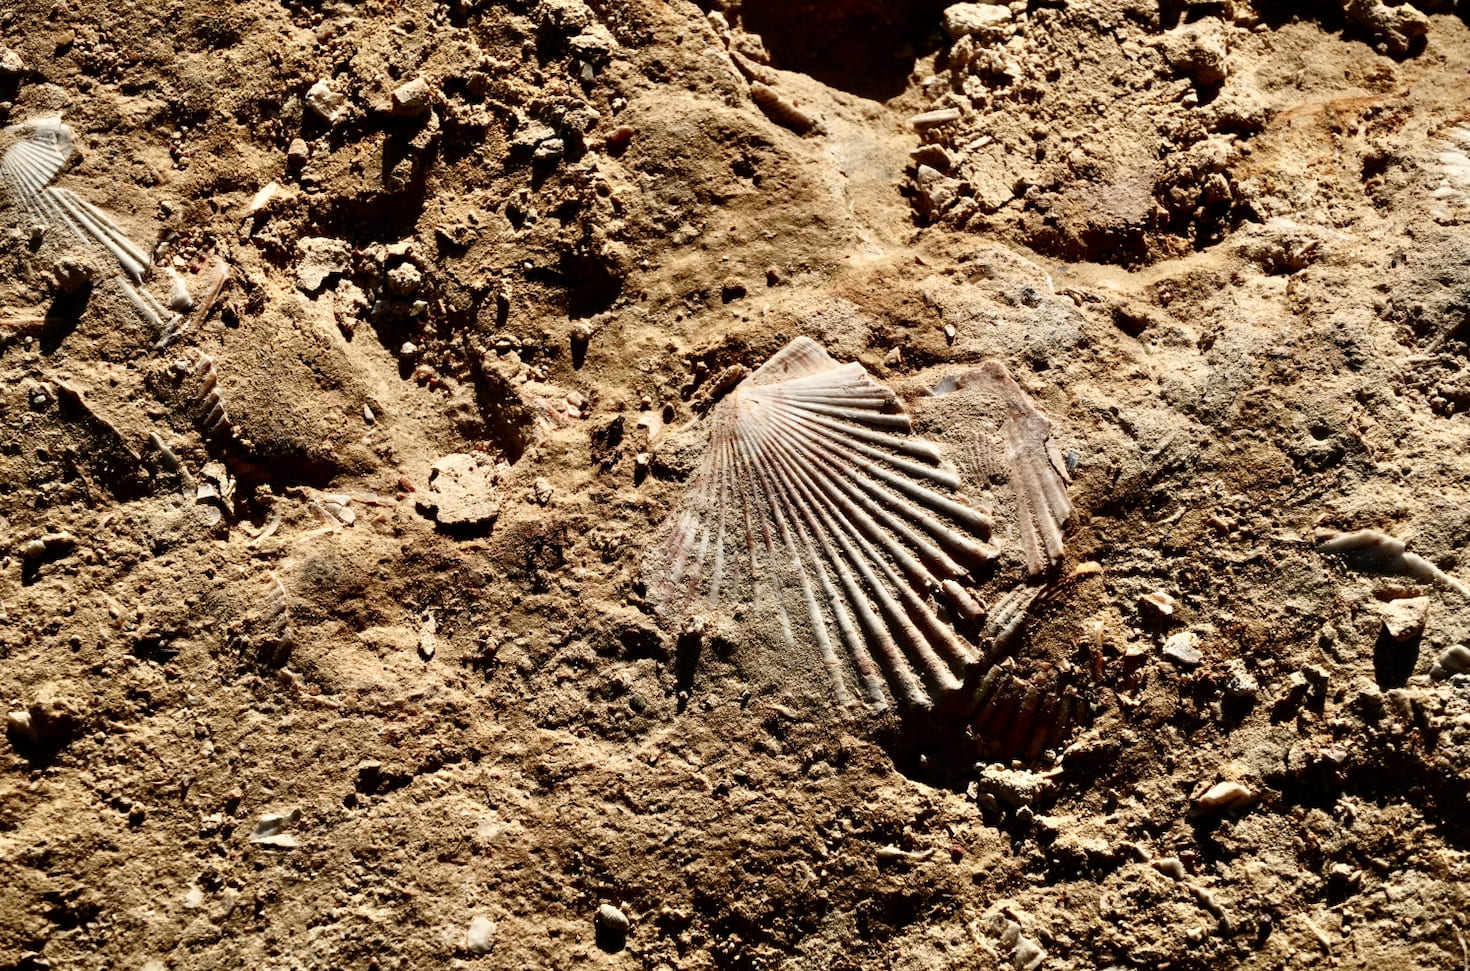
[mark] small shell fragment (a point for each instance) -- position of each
(933, 119)
(1225, 795)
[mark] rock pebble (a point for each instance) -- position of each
(612, 919)
(480, 937)
(10, 63)
(1403, 620)
(328, 104)
(963, 19)
(1183, 649)
(321, 257)
(411, 99)
(462, 489)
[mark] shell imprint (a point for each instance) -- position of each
(1038, 472)
(815, 505)
(44, 148)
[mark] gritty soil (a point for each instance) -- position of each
(400, 599)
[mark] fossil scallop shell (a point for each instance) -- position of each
(30, 164)
(817, 507)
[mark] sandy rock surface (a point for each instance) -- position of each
(325, 630)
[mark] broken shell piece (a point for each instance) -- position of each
(327, 103)
(1038, 470)
(270, 830)
(815, 503)
(933, 119)
(1373, 552)
(179, 300)
(1157, 604)
(1224, 796)
(1404, 620)
(263, 198)
(44, 148)
(1454, 660)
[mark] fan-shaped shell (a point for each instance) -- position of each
(30, 164)
(817, 506)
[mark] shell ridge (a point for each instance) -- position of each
(863, 557)
(901, 675)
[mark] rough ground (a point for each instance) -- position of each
(1226, 247)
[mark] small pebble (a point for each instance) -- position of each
(1225, 795)
(10, 63)
(1404, 619)
(1157, 604)
(298, 152)
(480, 937)
(612, 919)
(409, 349)
(328, 104)
(412, 98)
(1183, 649)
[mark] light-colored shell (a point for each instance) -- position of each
(42, 150)
(779, 109)
(816, 505)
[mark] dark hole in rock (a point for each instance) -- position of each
(866, 47)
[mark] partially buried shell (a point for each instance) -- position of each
(41, 149)
(816, 506)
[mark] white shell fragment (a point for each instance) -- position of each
(816, 505)
(1404, 620)
(327, 103)
(42, 150)
(1375, 552)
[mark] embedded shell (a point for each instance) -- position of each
(818, 511)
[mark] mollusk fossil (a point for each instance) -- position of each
(1038, 471)
(30, 164)
(815, 505)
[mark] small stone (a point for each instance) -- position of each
(894, 357)
(1183, 649)
(10, 63)
(581, 332)
(480, 937)
(321, 257)
(1239, 683)
(404, 279)
(462, 489)
(731, 289)
(1225, 795)
(408, 349)
(1197, 50)
(298, 152)
(1016, 787)
(541, 488)
(962, 19)
(367, 414)
(327, 103)
(549, 150)
(612, 919)
(194, 899)
(411, 98)
(576, 401)
(1404, 619)
(70, 274)
(263, 198)
(1171, 867)
(1157, 604)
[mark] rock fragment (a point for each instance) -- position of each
(72, 274)
(1404, 620)
(328, 104)
(1223, 796)
(1183, 649)
(1454, 660)
(321, 257)
(462, 490)
(10, 63)
(480, 937)
(411, 98)
(1198, 51)
(612, 919)
(963, 19)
